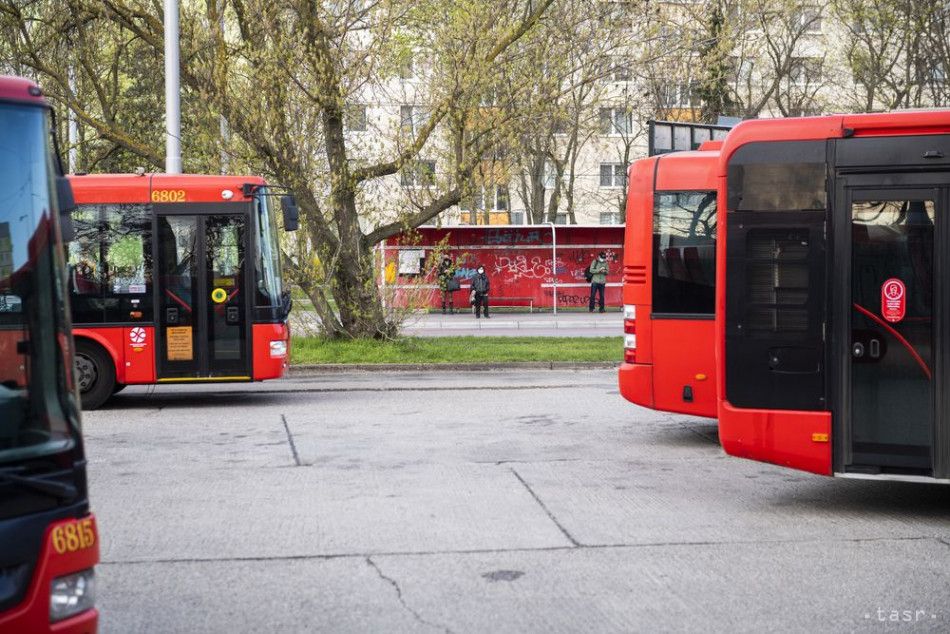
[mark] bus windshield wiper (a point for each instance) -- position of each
(50, 487)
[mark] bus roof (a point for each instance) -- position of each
(135, 188)
(20, 89)
(684, 171)
(835, 127)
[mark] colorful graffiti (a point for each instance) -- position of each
(519, 264)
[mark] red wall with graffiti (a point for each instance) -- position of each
(518, 261)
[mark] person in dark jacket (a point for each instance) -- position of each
(447, 284)
(480, 288)
(598, 280)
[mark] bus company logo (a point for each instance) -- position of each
(893, 300)
(137, 337)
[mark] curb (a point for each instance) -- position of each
(331, 368)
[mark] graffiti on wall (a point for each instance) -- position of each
(511, 236)
(523, 267)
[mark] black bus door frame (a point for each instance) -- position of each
(201, 211)
(911, 184)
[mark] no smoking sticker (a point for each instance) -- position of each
(893, 300)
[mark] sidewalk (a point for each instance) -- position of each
(501, 324)
(516, 325)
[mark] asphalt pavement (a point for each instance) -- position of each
(494, 501)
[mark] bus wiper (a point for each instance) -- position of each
(50, 487)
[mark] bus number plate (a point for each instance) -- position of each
(168, 195)
(73, 536)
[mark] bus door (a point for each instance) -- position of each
(201, 294)
(892, 316)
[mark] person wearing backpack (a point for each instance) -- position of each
(597, 272)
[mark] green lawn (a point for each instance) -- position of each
(457, 350)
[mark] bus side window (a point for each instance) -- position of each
(127, 267)
(84, 268)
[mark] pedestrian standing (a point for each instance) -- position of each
(598, 280)
(448, 284)
(480, 287)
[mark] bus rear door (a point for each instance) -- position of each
(201, 294)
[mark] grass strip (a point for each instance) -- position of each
(305, 350)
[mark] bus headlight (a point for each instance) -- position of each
(278, 349)
(71, 595)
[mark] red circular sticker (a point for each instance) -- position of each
(893, 300)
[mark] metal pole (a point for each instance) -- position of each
(222, 121)
(172, 90)
(554, 263)
(72, 134)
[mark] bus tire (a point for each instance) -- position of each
(95, 374)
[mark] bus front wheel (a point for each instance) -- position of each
(95, 374)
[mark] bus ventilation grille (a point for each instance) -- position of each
(635, 274)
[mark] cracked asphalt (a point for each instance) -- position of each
(505, 501)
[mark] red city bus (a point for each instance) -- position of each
(669, 282)
(831, 308)
(176, 279)
(48, 540)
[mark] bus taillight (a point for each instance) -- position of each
(630, 348)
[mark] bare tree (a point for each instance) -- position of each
(281, 73)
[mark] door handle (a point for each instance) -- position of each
(874, 349)
(857, 350)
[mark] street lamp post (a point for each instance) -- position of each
(172, 90)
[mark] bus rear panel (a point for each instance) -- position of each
(831, 303)
(669, 278)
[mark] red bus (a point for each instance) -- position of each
(669, 282)
(831, 308)
(48, 540)
(176, 279)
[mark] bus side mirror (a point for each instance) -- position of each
(288, 204)
(67, 204)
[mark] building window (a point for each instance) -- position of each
(517, 217)
(412, 119)
(418, 174)
(610, 218)
(407, 68)
(617, 13)
(615, 121)
(355, 118)
(805, 71)
(619, 69)
(487, 198)
(681, 95)
(560, 219)
(550, 175)
(808, 19)
(613, 174)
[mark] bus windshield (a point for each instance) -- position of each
(267, 262)
(36, 416)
